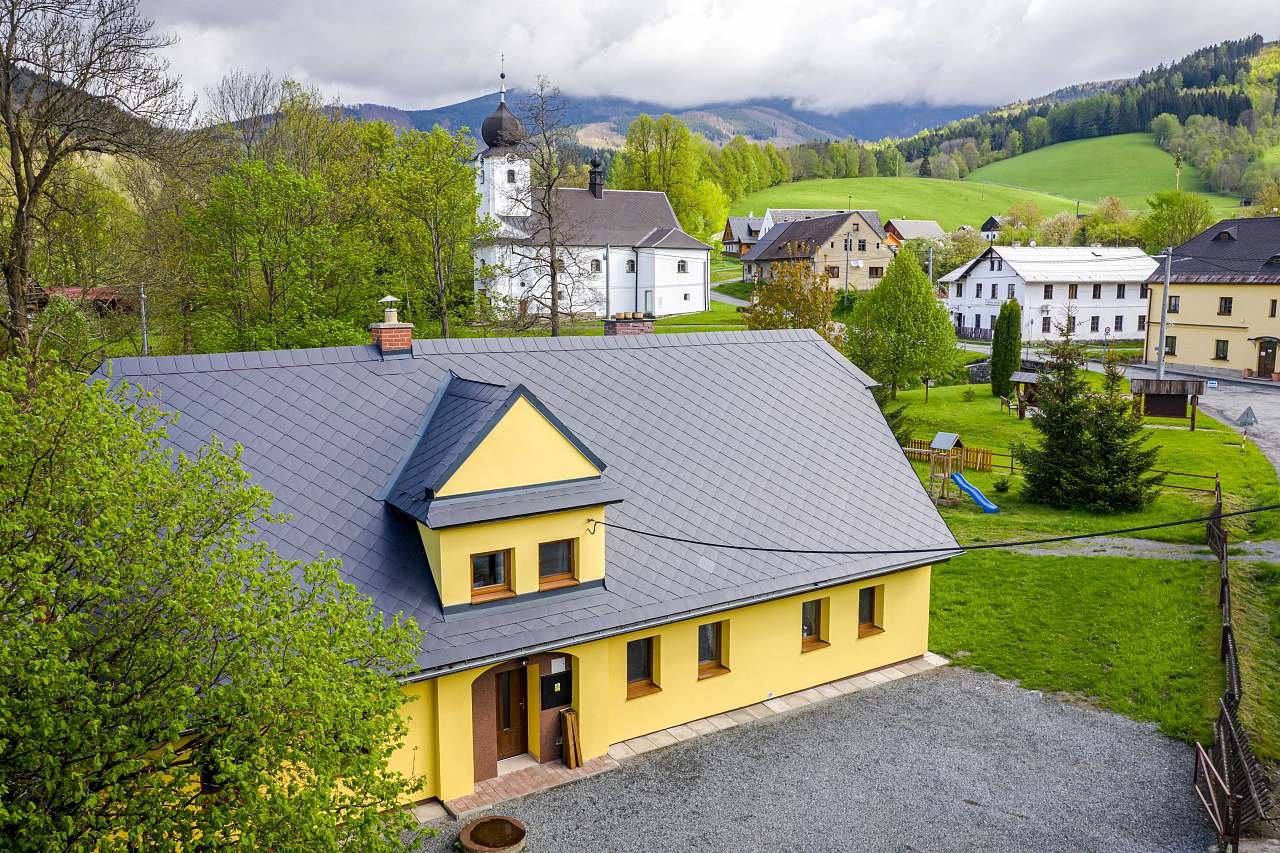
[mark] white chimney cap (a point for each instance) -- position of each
(390, 300)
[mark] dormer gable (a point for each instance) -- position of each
(495, 472)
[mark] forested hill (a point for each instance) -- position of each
(1206, 82)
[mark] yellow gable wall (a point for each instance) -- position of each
(522, 449)
(450, 549)
(762, 652)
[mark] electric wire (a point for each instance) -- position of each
(977, 546)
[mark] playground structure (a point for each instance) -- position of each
(1167, 398)
(946, 467)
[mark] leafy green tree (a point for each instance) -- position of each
(1267, 200)
(1175, 217)
(1116, 474)
(429, 185)
(1005, 346)
(794, 297)
(661, 154)
(1059, 229)
(170, 681)
(900, 331)
(895, 414)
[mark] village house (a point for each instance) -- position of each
(1100, 293)
(623, 250)
(990, 229)
(848, 248)
(740, 234)
(510, 496)
(1223, 295)
(899, 231)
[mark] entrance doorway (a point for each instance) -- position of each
(648, 302)
(512, 717)
(1266, 358)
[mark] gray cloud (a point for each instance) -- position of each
(828, 56)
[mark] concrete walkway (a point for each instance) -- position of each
(717, 296)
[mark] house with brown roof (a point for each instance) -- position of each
(847, 247)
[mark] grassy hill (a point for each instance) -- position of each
(951, 203)
(1129, 165)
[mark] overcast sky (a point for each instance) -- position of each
(828, 56)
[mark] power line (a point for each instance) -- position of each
(981, 546)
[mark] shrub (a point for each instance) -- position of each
(968, 395)
(1002, 485)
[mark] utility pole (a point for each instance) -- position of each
(1164, 310)
(931, 264)
(848, 244)
(142, 300)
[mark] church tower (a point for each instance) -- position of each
(502, 173)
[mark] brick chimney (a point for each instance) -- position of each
(628, 323)
(391, 336)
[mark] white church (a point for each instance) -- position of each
(624, 252)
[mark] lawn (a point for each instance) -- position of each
(1129, 165)
(951, 203)
(725, 269)
(1139, 637)
(1255, 595)
(736, 289)
(1247, 476)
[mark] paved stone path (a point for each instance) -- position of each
(945, 760)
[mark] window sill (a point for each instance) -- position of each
(812, 644)
(636, 689)
(556, 583)
(491, 595)
(869, 631)
(711, 670)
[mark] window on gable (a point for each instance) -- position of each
(711, 641)
(1012, 292)
(682, 266)
(959, 288)
(991, 264)
(999, 264)
(631, 266)
(640, 669)
(556, 562)
(862, 245)
(870, 605)
(813, 633)
(511, 176)
(1224, 306)
(595, 265)
(490, 575)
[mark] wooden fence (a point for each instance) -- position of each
(1227, 779)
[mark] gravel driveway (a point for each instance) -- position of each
(947, 760)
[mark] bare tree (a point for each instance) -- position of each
(242, 107)
(550, 255)
(76, 77)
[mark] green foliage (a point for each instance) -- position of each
(794, 297)
(1005, 345)
(170, 681)
(899, 330)
(895, 415)
(1094, 453)
(924, 170)
(1002, 485)
(1175, 217)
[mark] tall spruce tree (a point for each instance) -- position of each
(1062, 418)
(925, 170)
(1117, 472)
(1004, 347)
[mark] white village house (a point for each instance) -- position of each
(1103, 289)
(624, 248)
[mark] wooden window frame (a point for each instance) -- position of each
(1226, 302)
(1073, 291)
(712, 668)
(818, 640)
(1048, 291)
(561, 579)
(1097, 290)
(1223, 347)
(493, 592)
(682, 266)
(643, 686)
(1175, 305)
(870, 629)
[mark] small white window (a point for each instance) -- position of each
(686, 297)
(631, 266)
(682, 266)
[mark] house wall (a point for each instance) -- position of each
(1198, 326)
(763, 655)
(675, 292)
(453, 547)
(497, 197)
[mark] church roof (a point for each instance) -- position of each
(639, 218)
(502, 129)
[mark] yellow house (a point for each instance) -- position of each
(552, 511)
(1224, 295)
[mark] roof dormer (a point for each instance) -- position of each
(503, 493)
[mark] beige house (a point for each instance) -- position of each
(847, 247)
(1224, 298)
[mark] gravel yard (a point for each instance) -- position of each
(947, 760)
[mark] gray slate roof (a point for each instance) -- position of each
(620, 218)
(793, 214)
(916, 229)
(742, 226)
(814, 466)
(797, 239)
(669, 238)
(1235, 250)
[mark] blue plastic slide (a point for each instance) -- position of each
(978, 497)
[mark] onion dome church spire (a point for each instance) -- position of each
(502, 129)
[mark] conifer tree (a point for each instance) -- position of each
(925, 170)
(1117, 473)
(1052, 465)
(1005, 344)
